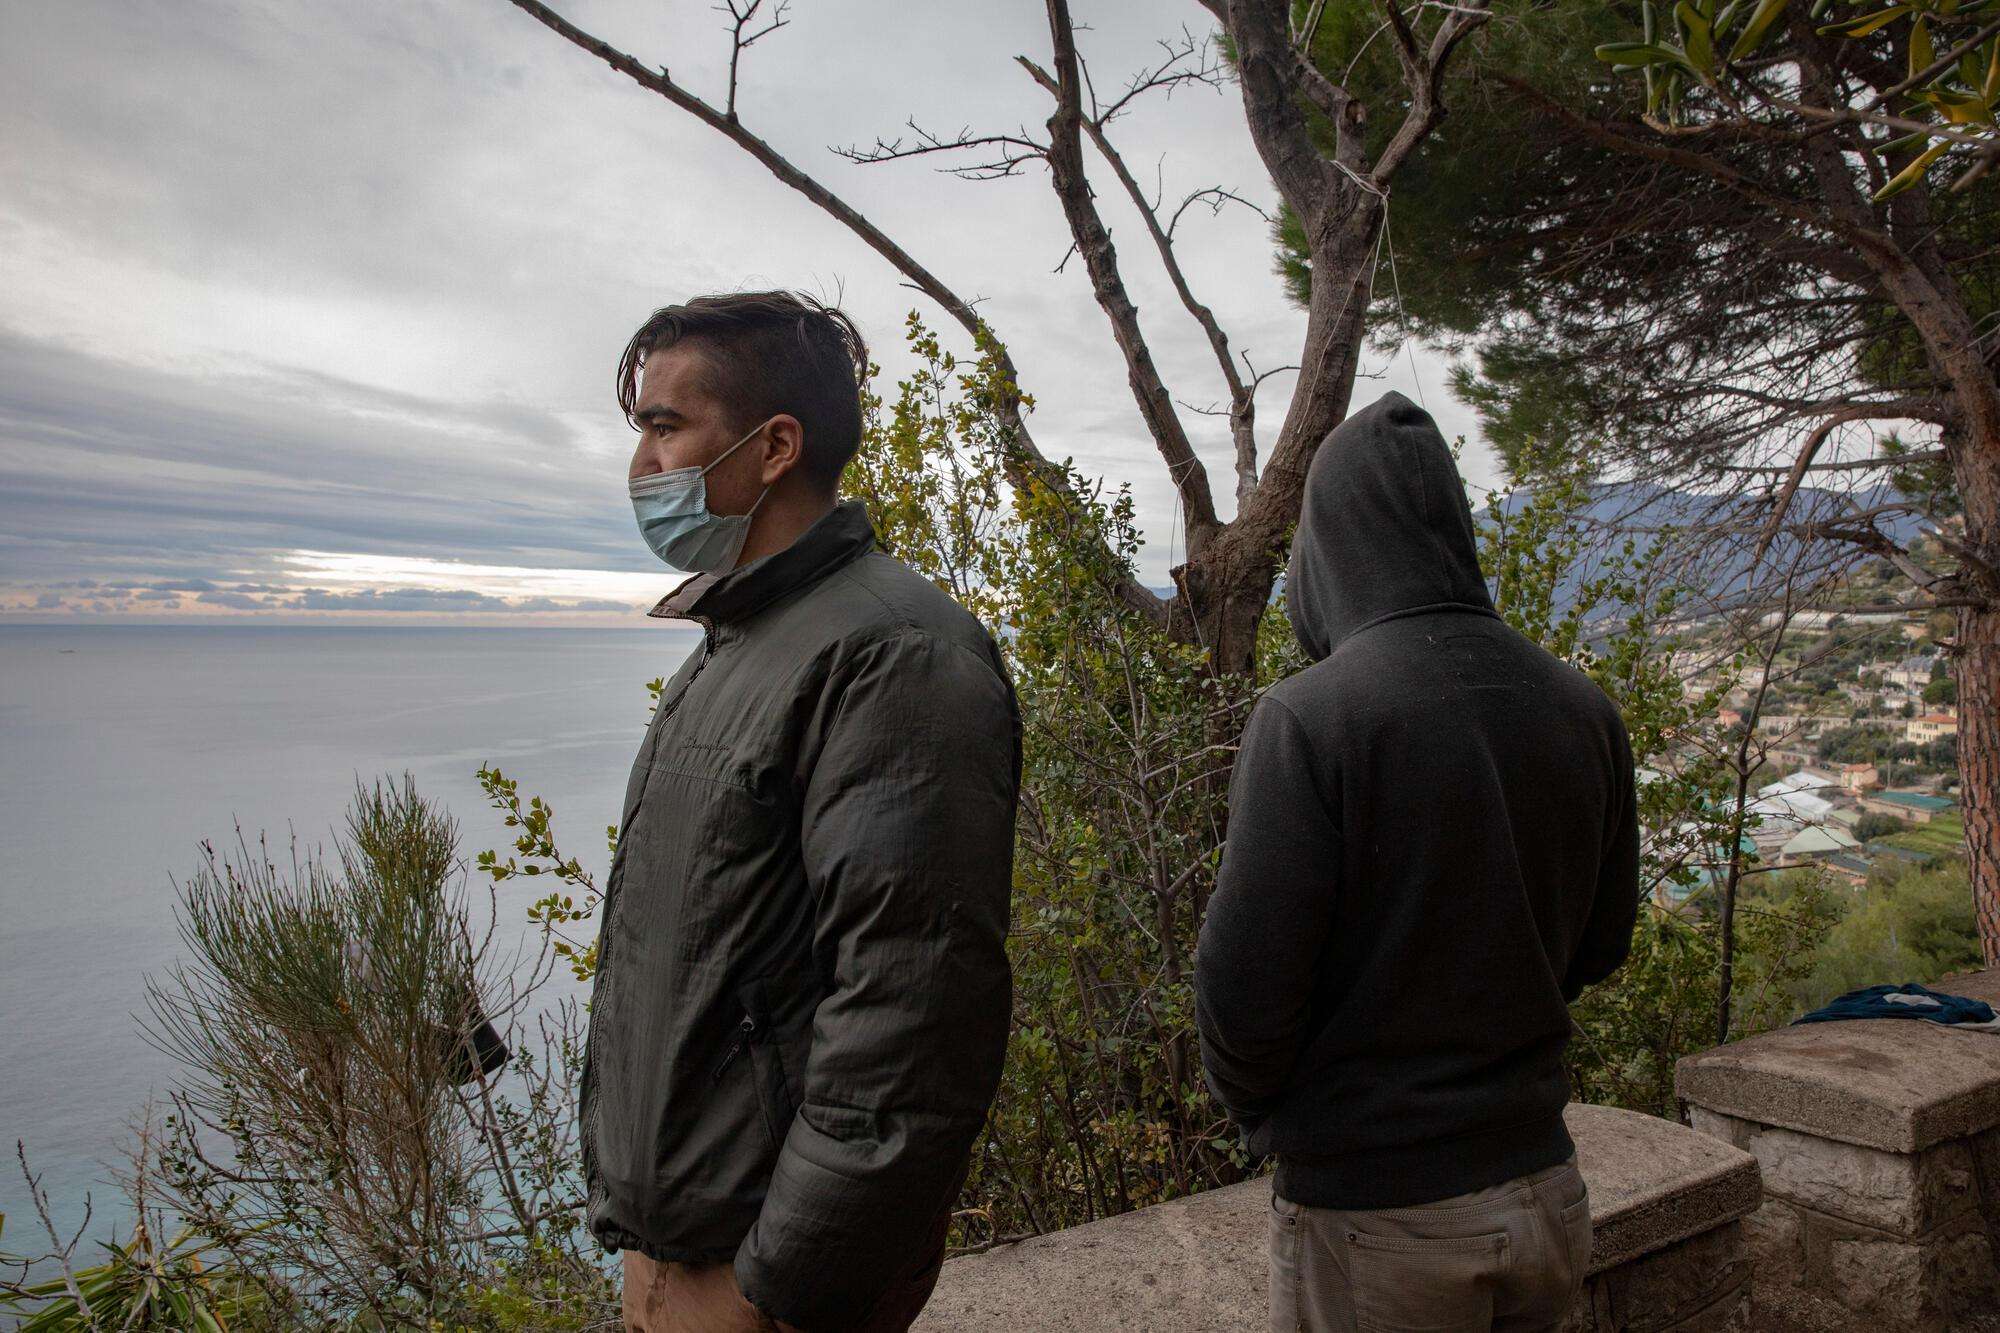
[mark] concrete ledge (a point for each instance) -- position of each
(1898, 1085)
(1653, 1182)
(1196, 1263)
(1879, 1146)
(1199, 1263)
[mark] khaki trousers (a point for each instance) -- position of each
(1510, 1257)
(703, 1298)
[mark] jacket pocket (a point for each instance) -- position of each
(763, 1035)
(703, 762)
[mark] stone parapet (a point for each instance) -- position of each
(1667, 1249)
(1879, 1144)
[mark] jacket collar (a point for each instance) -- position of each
(841, 534)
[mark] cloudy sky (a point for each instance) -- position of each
(311, 311)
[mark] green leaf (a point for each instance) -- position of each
(1637, 54)
(1866, 24)
(1752, 36)
(1697, 36)
(1913, 173)
(1922, 53)
(1897, 145)
(1963, 109)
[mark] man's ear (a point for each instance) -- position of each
(784, 447)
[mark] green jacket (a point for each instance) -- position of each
(802, 995)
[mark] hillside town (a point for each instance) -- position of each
(1857, 730)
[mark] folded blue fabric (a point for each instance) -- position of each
(1873, 1002)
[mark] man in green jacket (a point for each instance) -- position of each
(802, 992)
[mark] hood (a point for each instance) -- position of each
(1384, 528)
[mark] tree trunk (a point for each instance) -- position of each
(1223, 596)
(1976, 668)
(1978, 673)
(1904, 256)
(1227, 581)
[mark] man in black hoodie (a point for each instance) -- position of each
(1433, 849)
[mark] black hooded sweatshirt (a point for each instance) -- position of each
(1433, 848)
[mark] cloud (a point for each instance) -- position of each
(353, 279)
(538, 604)
(398, 599)
(237, 600)
(128, 473)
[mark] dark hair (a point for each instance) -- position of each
(766, 353)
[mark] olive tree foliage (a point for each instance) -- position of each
(1909, 923)
(328, 1132)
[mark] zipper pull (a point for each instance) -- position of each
(744, 1031)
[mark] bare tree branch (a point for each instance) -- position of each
(1242, 403)
(739, 42)
(928, 143)
(1900, 408)
(1100, 257)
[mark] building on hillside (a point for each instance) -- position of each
(1829, 619)
(1709, 867)
(1912, 673)
(1780, 724)
(1928, 727)
(1920, 806)
(1858, 777)
(1880, 851)
(1805, 780)
(1815, 844)
(1784, 814)
(1850, 866)
(1792, 754)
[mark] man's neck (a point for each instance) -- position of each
(780, 522)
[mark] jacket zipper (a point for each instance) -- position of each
(707, 651)
(604, 950)
(745, 1030)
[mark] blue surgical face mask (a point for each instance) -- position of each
(672, 508)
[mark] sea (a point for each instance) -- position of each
(124, 747)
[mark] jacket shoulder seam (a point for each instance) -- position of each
(903, 626)
(903, 619)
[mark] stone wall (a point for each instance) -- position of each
(1668, 1250)
(1879, 1144)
